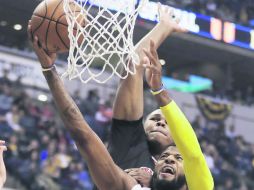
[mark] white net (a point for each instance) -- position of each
(101, 36)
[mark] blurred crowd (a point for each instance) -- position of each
(243, 96)
(229, 156)
(240, 11)
(41, 154)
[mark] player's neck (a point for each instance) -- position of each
(155, 149)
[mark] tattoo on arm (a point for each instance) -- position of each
(104, 170)
(64, 102)
(72, 113)
(69, 112)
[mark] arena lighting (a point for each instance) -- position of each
(17, 27)
(162, 61)
(42, 98)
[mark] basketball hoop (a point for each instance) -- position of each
(107, 38)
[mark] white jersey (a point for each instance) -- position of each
(138, 187)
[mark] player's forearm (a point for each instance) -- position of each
(195, 165)
(187, 144)
(104, 171)
(69, 112)
(158, 34)
(129, 103)
(198, 175)
(163, 98)
(181, 130)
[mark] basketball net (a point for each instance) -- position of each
(104, 42)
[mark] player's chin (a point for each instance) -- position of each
(159, 138)
(156, 135)
(166, 176)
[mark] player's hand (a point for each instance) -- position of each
(168, 19)
(141, 175)
(46, 59)
(153, 67)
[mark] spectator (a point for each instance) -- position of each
(230, 132)
(83, 176)
(6, 100)
(249, 96)
(13, 118)
(5, 78)
(229, 184)
(103, 118)
(90, 105)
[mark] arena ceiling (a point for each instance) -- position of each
(13, 13)
(183, 53)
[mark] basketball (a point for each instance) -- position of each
(49, 23)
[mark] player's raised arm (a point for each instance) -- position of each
(197, 173)
(2, 165)
(104, 172)
(129, 99)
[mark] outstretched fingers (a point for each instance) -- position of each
(37, 46)
(145, 62)
(151, 58)
(46, 58)
(34, 39)
(153, 50)
(152, 55)
(159, 9)
(171, 12)
(169, 16)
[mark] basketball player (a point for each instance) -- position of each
(170, 168)
(129, 136)
(2, 165)
(128, 141)
(187, 150)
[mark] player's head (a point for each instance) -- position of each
(169, 172)
(157, 132)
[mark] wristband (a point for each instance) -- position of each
(48, 69)
(156, 92)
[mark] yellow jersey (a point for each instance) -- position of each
(197, 173)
